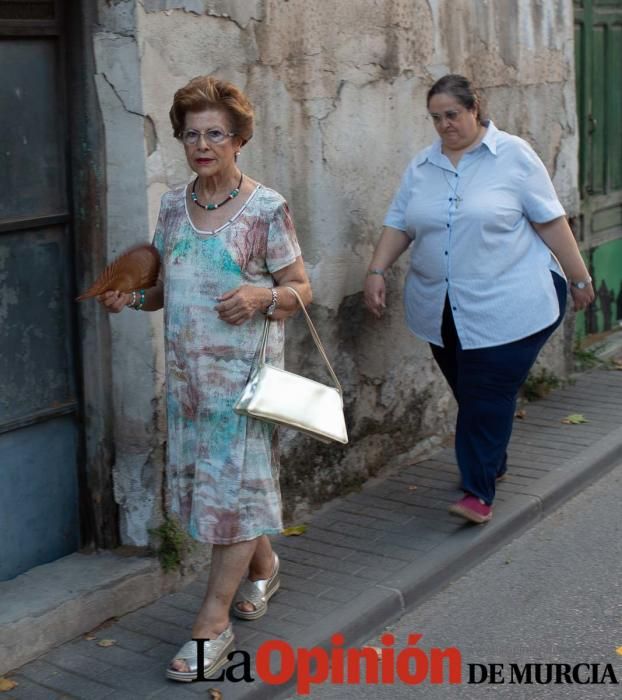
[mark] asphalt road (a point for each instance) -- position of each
(552, 596)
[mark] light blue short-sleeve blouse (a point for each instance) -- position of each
(472, 241)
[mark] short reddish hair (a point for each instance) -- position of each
(207, 92)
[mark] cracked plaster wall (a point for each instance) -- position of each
(136, 383)
(339, 90)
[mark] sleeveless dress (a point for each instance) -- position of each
(222, 469)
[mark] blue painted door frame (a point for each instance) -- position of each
(39, 432)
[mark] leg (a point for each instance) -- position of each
(260, 568)
(446, 356)
(488, 383)
(229, 564)
(251, 600)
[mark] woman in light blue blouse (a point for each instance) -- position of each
(489, 248)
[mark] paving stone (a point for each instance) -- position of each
(340, 595)
(27, 690)
(196, 588)
(163, 651)
(293, 583)
(78, 686)
(359, 559)
(129, 640)
(391, 509)
(278, 628)
(39, 671)
(182, 691)
(344, 581)
(142, 685)
(303, 617)
(183, 601)
(380, 514)
(310, 559)
(304, 601)
(69, 658)
(139, 622)
(356, 544)
(118, 657)
(346, 515)
(325, 549)
(166, 613)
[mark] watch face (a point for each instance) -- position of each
(581, 285)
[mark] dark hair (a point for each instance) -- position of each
(207, 92)
(460, 88)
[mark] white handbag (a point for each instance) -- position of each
(288, 399)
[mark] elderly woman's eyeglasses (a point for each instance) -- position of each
(190, 137)
(451, 115)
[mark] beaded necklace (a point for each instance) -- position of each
(210, 207)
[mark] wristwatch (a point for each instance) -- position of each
(273, 304)
(582, 284)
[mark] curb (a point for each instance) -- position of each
(385, 603)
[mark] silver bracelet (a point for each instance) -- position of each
(274, 303)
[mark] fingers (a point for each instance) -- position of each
(235, 310)
(228, 295)
(113, 301)
(582, 298)
(375, 297)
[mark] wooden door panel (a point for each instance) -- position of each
(39, 431)
(32, 159)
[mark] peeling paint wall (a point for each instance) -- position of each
(339, 90)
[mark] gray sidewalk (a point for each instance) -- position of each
(364, 559)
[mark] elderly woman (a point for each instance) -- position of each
(485, 287)
(227, 245)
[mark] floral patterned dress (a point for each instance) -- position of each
(222, 468)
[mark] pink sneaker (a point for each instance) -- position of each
(472, 508)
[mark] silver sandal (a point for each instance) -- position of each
(216, 655)
(257, 593)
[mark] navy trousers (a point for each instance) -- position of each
(485, 383)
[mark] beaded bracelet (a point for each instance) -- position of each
(138, 300)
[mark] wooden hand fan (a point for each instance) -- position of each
(135, 269)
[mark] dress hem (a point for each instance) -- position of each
(236, 540)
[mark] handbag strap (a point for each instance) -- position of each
(314, 334)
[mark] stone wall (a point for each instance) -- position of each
(339, 90)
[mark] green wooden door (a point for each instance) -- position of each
(598, 60)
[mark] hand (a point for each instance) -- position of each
(582, 298)
(375, 295)
(114, 302)
(239, 305)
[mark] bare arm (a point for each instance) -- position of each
(295, 276)
(391, 245)
(114, 302)
(558, 237)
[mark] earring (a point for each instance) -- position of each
(237, 153)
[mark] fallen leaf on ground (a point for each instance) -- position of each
(412, 488)
(619, 651)
(521, 413)
(214, 694)
(295, 530)
(6, 684)
(107, 643)
(574, 419)
(89, 637)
